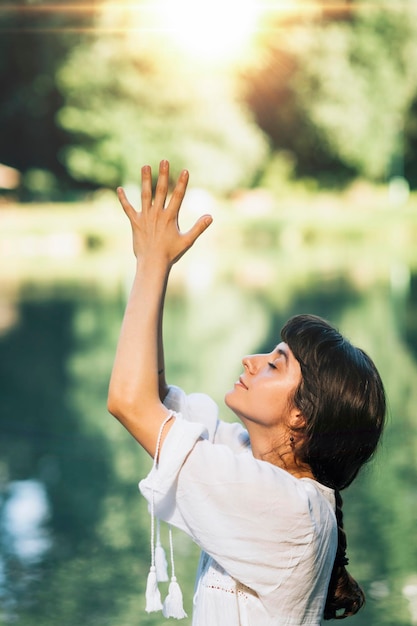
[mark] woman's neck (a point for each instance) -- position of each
(287, 462)
(278, 451)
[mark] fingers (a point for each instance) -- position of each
(146, 189)
(179, 192)
(198, 229)
(161, 190)
(127, 207)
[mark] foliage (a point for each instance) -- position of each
(130, 102)
(33, 43)
(335, 89)
(336, 92)
(410, 144)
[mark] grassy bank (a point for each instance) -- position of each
(89, 242)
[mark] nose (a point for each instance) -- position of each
(251, 363)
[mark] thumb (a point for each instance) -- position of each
(199, 227)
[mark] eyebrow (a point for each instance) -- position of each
(283, 352)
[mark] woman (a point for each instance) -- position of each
(261, 499)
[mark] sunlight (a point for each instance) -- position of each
(211, 30)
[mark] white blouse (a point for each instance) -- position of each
(268, 539)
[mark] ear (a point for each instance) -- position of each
(296, 420)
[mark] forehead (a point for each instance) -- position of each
(283, 349)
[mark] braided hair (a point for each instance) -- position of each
(342, 399)
(344, 597)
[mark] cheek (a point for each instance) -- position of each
(279, 401)
(269, 402)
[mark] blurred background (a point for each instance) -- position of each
(298, 123)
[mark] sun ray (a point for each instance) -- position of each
(209, 29)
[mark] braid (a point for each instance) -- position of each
(344, 597)
(341, 535)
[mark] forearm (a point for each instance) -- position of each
(134, 394)
(162, 383)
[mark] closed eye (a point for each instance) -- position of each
(274, 367)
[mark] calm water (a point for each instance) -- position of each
(74, 531)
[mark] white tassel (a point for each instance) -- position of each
(153, 596)
(173, 605)
(161, 564)
(160, 557)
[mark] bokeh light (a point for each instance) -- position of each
(211, 31)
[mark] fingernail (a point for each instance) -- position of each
(164, 164)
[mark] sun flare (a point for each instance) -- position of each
(211, 29)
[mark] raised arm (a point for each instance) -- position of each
(136, 386)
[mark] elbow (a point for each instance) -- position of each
(126, 415)
(125, 407)
(119, 397)
(113, 407)
(128, 406)
(117, 405)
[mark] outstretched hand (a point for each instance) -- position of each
(155, 229)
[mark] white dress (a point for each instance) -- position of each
(268, 539)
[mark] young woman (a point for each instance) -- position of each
(261, 498)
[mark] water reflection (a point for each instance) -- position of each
(75, 533)
(24, 516)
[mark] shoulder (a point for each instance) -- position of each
(319, 494)
(200, 408)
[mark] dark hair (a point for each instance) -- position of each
(342, 399)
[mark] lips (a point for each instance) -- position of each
(240, 382)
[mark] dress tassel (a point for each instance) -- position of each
(160, 557)
(161, 564)
(153, 596)
(173, 605)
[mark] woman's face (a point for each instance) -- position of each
(263, 394)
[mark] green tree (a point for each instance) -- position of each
(34, 40)
(130, 99)
(335, 90)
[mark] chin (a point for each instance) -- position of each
(227, 397)
(229, 400)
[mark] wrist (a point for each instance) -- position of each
(154, 265)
